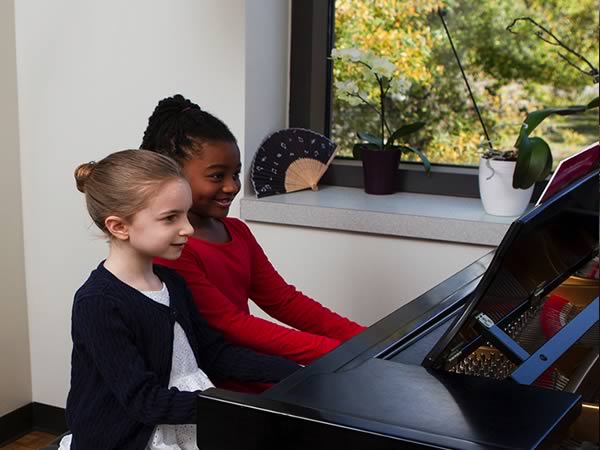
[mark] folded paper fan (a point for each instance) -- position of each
(291, 160)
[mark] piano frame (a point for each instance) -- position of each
(372, 392)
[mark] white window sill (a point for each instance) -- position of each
(420, 216)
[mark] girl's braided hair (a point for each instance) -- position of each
(178, 127)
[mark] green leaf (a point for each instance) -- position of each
(534, 162)
(521, 176)
(534, 118)
(541, 158)
(421, 155)
(371, 139)
(404, 131)
(594, 103)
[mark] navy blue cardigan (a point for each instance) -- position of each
(121, 361)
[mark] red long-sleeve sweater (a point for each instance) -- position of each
(222, 277)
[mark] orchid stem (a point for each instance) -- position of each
(383, 123)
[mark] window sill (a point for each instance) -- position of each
(403, 214)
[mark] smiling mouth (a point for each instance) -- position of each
(224, 202)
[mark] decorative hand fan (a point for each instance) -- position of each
(291, 160)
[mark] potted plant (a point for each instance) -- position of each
(507, 177)
(380, 154)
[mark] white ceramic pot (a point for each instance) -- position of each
(498, 196)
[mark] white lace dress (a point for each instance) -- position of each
(185, 376)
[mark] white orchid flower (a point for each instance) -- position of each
(352, 54)
(347, 91)
(400, 85)
(398, 97)
(353, 101)
(382, 66)
(346, 87)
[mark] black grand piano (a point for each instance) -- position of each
(491, 358)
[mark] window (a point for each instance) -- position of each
(508, 75)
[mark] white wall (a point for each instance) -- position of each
(89, 75)
(15, 371)
(365, 277)
(266, 68)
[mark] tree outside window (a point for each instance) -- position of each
(509, 74)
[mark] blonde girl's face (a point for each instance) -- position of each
(161, 229)
(214, 177)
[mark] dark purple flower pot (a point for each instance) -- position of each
(379, 168)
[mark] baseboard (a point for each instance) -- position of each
(50, 419)
(32, 417)
(16, 423)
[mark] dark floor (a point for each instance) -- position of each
(31, 441)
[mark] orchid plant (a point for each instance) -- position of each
(388, 83)
(533, 156)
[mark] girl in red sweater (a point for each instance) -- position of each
(222, 263)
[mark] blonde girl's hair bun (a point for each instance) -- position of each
(82, 173)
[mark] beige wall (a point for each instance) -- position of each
(15, 374)
(89, 74)
(365, 277)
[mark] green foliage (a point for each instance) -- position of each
(405, 130)
(509, 75)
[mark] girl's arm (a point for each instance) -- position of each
(98, 326)
(241, 328)
(288, 305)
(225, 361)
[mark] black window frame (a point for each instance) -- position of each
(312, 37)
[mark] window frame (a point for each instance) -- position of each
(310, 96)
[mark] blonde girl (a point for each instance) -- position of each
(141, 352)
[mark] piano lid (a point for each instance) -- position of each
(386, 405)
(540, 250)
